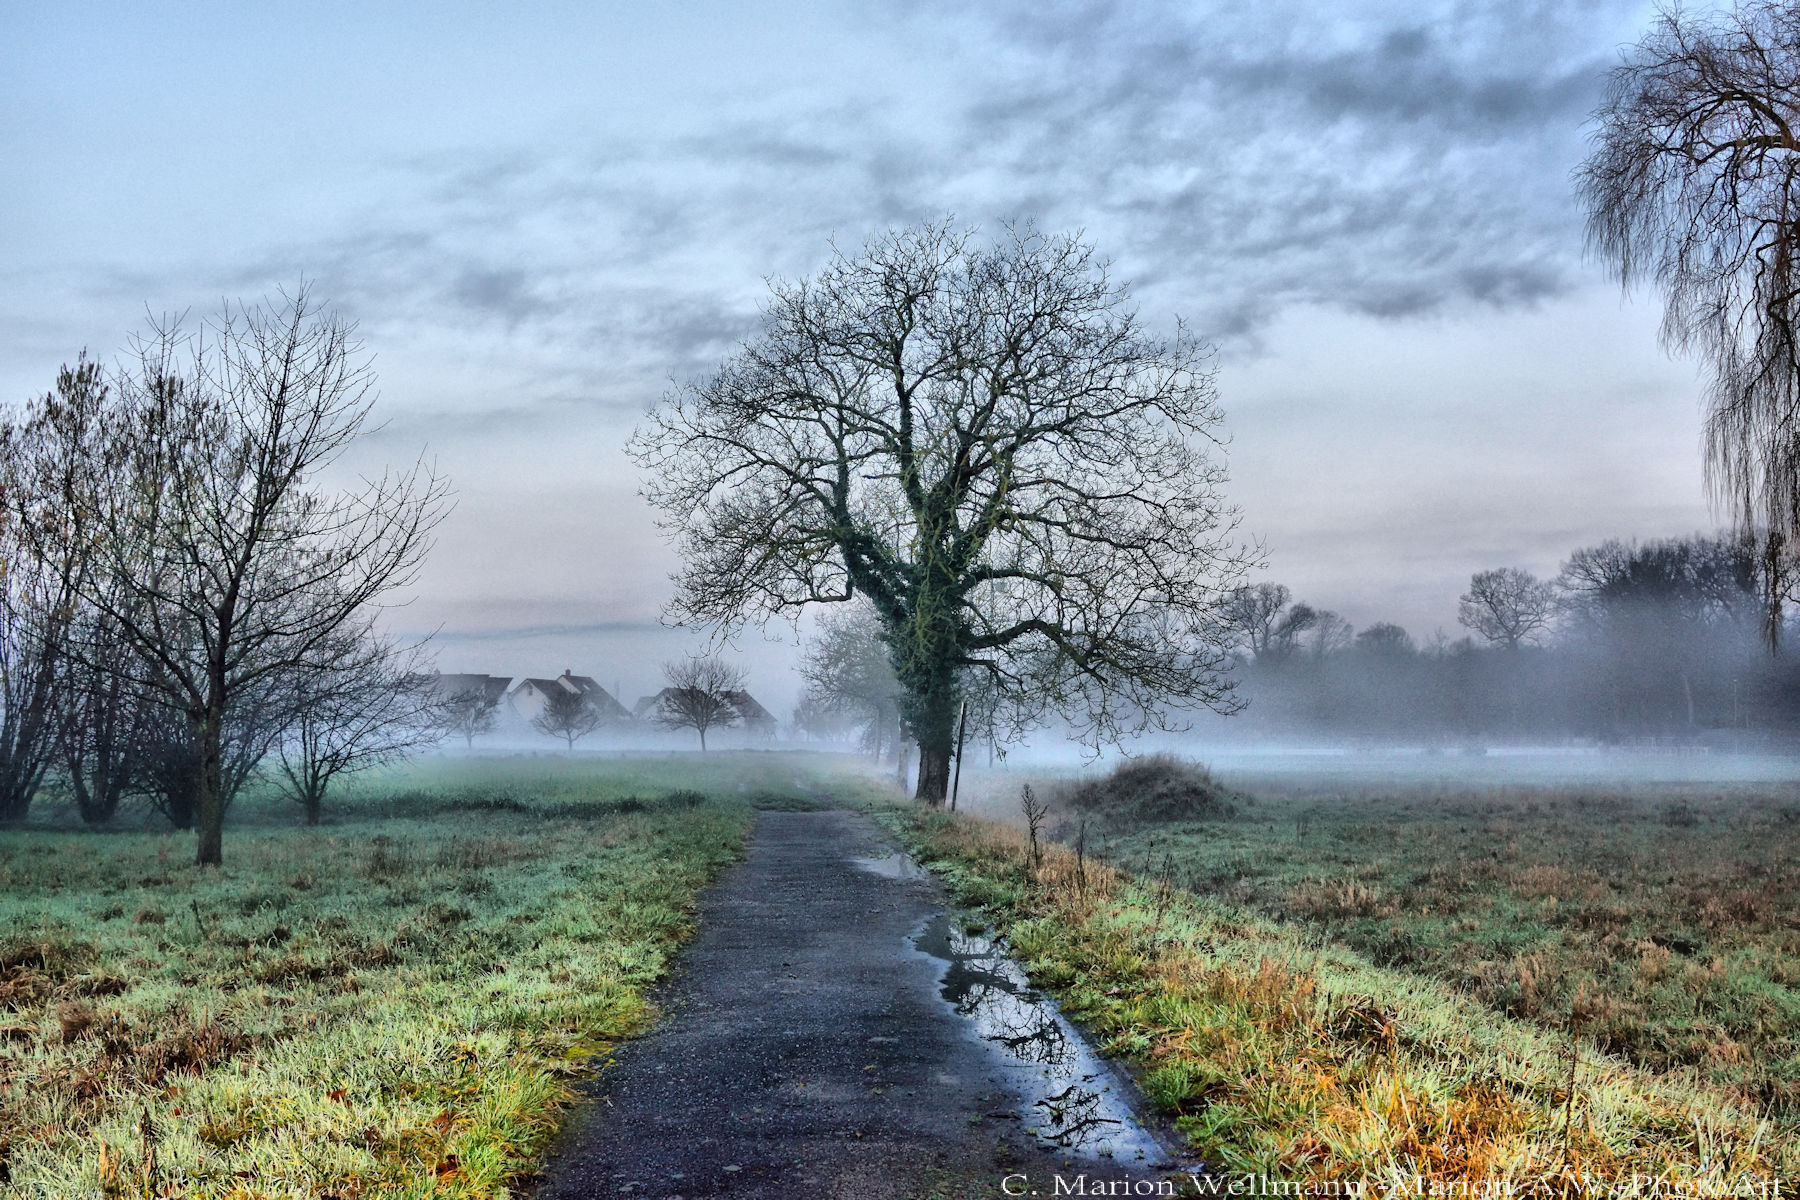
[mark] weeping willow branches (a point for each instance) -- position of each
(1694, 186)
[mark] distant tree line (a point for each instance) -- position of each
(183, 603)
(1629, 640)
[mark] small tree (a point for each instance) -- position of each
(1327, 633)
(467, 712)
(1386, 640)
(1507, 606)
(699, 696)
(1255, 613)
(40, 581)
(849, 671)
(367, 707)
(103, 735)
(567, 715)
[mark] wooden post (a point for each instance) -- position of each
(962, 727)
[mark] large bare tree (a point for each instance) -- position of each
(1694, 185)
(983, 441)
(216, 548)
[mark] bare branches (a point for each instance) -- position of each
(567, 714)
(372, 703)
(983, 442)
(702, 695)
(1507, 606)
(191, 496)
(1694, 185)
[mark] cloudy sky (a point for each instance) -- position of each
(540, 214)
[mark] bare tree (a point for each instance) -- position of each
(105, 726)
(699, 695)
(1385, 639)
(983, 442)
(848, 670)
(1507, 606)
(1291, 627)
(467, 712)
(567, 714)
(217, 553)
(1326, 633)
(1694, 184)
(40, 582)
(370, 705)
(1255, 614)
(166, 754)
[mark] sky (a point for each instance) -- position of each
(541, 215)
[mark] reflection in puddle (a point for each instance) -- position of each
(893, 866)
(1070, 1096)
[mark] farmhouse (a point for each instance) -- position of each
(490, 688)
(530, 697)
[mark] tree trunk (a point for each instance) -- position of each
(934, 773)
(702, 730)
(210, 788)
(314, 803)
(14, 803)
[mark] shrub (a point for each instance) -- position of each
(1156, 789)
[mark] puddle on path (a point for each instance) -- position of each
(1072, 1100)
(893, 866)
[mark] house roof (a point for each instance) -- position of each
(748, 708)
(582, 685)
(490, 687)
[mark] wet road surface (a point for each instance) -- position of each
(832, 1033)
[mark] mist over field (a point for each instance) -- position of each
(913, 600)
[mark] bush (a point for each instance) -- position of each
(1156, 789)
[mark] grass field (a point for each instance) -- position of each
(1376, 983)
(394, 1004)
(1666, 919)
(1335, 982)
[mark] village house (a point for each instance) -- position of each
(531, 695)
(490, 688)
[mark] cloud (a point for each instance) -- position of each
(1237, 162)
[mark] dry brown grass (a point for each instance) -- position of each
(1278, 1055)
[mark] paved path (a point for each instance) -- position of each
(808, 1050)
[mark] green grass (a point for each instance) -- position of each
(1665, 918)
(394, 1004)
(1280, 1050)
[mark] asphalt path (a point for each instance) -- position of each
(808, 1048)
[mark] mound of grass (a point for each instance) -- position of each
(1155, 789)
(1281, 1056)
